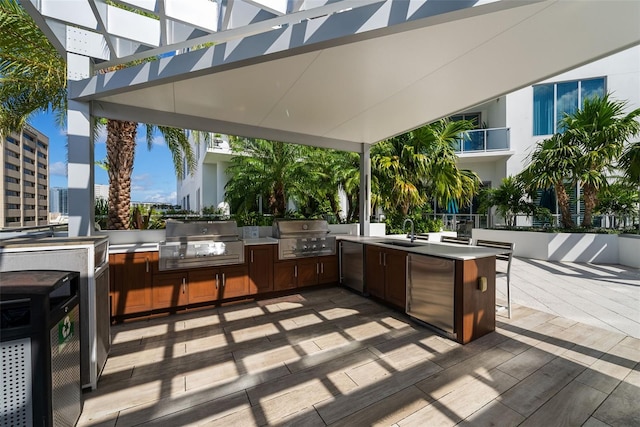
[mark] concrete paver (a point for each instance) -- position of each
(605, 296)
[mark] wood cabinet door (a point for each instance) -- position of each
(170, 290)
(329, 269)
(284, 275)
(396, 278)
(234, 281)
(374, 271)
(308, 271)
(203, 286)
(260, 260)
(115, 260)
(132, 282)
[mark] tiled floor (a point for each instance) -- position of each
(330, 357)
(601, 295)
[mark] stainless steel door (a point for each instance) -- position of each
(430, 290)
(352, 265)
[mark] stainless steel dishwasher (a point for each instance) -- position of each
(430, 290)
(352, 265)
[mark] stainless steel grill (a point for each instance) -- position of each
(303, 238)
(200, 244)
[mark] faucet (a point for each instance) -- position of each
(413, 234)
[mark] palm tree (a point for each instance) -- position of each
(445, 182)
(271, 169)
(32, 73)
(630, 164)
(420, 164)
(33, 77)
(550, 166)
(399, 167)
(600, 129)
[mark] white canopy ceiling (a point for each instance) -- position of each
(360, 72)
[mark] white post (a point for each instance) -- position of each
(365, 190)
(81, 155)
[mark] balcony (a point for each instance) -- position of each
(215, 144)
(484, 141)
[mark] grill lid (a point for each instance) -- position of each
(300, 228)
(178, 231)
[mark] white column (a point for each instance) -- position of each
(365, 190)
(80, 154)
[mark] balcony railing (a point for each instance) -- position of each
(217, 144)
(484, 140)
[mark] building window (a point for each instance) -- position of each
(9, 166)
(11, 153)
(42, 145)
(552, 101)
(42, 166)
(473, 117)
(29, 149)
(12, 193)
(12, 141)
(11, 180)
(27, 160)
(42, 155)
(27, 136)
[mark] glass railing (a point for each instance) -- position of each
(483, 140)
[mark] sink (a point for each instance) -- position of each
(403, 244)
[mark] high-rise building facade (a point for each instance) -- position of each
(59, 200)
(24, 188)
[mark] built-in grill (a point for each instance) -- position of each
(200, 244)
(303, 238)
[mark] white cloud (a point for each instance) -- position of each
(58, 168)
(153, 195)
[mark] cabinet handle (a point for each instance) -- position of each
(217, 280)
(224, 280)
(384, 259)
(380, 258)
(295, 270)
(251, 255)
(322, 268)
(317, 268)
(184, 285)
(146, 260)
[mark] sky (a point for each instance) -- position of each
(153, 178)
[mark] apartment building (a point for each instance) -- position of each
(25, 179)
(204, 187)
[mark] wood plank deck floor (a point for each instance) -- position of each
(330, 357)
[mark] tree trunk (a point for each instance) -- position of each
(278, 200)
(563, 203)
(590, 199)
(121, 147)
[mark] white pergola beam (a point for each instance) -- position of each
(131, 26)
(201, 14)
(277, 7)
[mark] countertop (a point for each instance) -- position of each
(436, 249)
(42, 242)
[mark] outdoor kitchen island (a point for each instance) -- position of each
(449, 287)
(139, 288)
